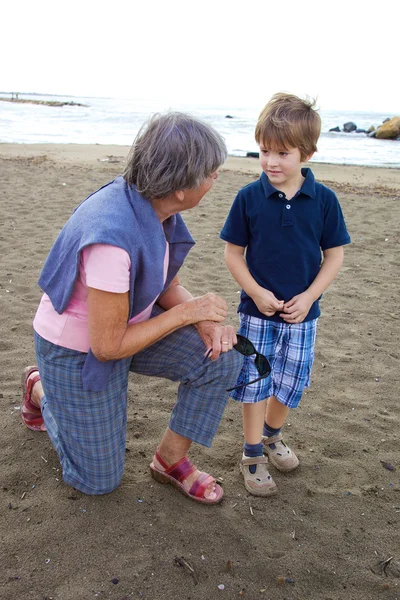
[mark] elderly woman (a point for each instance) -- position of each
(113, 304)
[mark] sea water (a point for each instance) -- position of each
(117, 121)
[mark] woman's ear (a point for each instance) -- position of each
(180, 195)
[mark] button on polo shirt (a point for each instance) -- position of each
(283, 238)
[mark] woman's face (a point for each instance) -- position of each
(193, 196)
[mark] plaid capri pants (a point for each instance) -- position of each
(88, 429)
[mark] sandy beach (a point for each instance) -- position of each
(332, 531)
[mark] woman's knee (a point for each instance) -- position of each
(235, 360)
(231, 362)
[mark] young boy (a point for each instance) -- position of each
(275, 232)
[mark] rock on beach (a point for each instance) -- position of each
(389, 130)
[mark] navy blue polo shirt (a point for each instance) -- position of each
(284, 238)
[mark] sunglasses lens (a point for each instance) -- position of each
(262, 365)
(244, 346)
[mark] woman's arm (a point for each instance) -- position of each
(112, 338)
(174, 295)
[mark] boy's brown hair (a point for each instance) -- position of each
(287, 122)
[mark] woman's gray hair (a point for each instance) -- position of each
(173, 151)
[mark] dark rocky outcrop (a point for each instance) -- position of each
(389, 130)
(349, 127)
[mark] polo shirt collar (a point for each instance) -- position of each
(308, 187)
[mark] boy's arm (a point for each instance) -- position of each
(265, 300)
(296, 310)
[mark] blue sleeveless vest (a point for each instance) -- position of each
(118, 215)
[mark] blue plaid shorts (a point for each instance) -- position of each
(290, 351)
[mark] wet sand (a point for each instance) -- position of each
(334, 521)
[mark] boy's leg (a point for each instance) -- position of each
(257, 478)
(280, 455)
(276, 413)
(253, 418)
(291, 374)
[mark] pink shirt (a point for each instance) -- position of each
(102, 267)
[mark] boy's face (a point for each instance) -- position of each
(281, 167)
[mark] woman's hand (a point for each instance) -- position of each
(219, 338)
(266, 302)
(209, 307)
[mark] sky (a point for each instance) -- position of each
(344, 53)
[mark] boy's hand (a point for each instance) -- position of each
(266, 303)
(296, 309)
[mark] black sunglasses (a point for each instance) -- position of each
(246, 347)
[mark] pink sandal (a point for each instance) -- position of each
(176, 475)
(31, 415)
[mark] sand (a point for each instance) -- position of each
(334, 521)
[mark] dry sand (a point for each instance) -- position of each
(334, 521)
